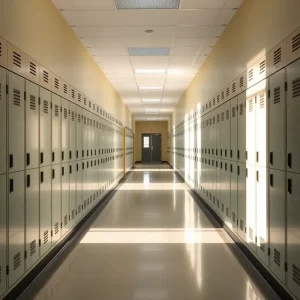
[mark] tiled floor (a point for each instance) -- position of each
(152, 242)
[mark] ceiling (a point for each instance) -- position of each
(181, 40)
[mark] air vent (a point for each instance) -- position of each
(227, 212)
(233, 87)
(214, 120)
(233, 112)
(32, 247)
(94, 107)
(65, 113)
(296, 87)
(79, 208)
(209, 104)
(222, 95)
(73, 116)
(218, 98)
(84, 120)
(277, 257)
(73, 214)
(250, 75)
(46, 107)
(90, 104)
(227, 92)
(79, 98)
(222, 116)
(218, 203)
(79, 118)
(56, 83)
(84, 101)
(277, 56)
(32, 102)
(218, 118)
(0, 55)
(233, 217)
(45, 76)
(46, 237)
(73, 93)
(262, 244)
(277, 95)
(251, 233)
(227, 114)
(65, 220)
(262, 67)
(56, 229)
(222, 207)
(262, 101)
(214, 101)
(241, 225)
(296, 42)
(251, 105)
(17, 261)
(32, 67)
(17, 60)
(65, 89)
(56, 110)
(17, 97)
(241, 109)
(296, 274)
(241, 81)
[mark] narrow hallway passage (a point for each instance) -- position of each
(152, 241)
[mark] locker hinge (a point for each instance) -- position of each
(285, 267)
(60, 224)
(24, 95)
(269, 94)
(286, 86)
(40, 243)
(25, 254)
(7, 270)
(61, 109)
(39, 100)
(7, 89)
(51, 232)
(269, 251)
(51, 105)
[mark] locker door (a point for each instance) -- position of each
(250, 126)
(262, 213)
(79, 137)
(226, 137)
(85, 191)
(233, 129)
(226, 193)
(219, 185)
(293, 108)
(277, 121)
(16, 226)
(32, 224)
(277, 223)
(293, 233)
(65, 131)
(45, 209)
(56, 204)
(223, 131)
(72, 126)
(89, 135)
(65, 197)
(3, 233)
(56, 129)
(73, 174)
(234, 195)
(3, 135)
(242, 200)
(241, 154)
(45, 128)
(16, 122)
(84, 135)
(79, 183)
(32, 126)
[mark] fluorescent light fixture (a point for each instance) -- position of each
(150, 100)
(151, 87)
(147, 4)
(150, 71)
(151, 113)
(144, 51)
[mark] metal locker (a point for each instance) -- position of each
(225, 131)
(79, 137)
(84, 135)
(3, 134)
(65, 131)
(242, 225)
(73, 135)
(234, 195)
(218, 132)
(233, 129)
(32, 150)
(32, 224)
(277, 226)
(277, 118)
(79, 185)
(293, 108)
(293, 233)
(3, 234)
(226, 191)
(85, 183)
(73, 183)
(16, 233)
(45, 128)
(219, 185)
(56, 129)
(250, 126)
(65, 196)
(45, 209)
(16, 122)
(241, 153)
(56, 204)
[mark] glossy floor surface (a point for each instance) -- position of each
(152, 242)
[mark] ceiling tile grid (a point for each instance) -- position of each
(150, 56)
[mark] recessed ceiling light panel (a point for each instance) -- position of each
(150, 100)
(147, 4)
(137, 51)
(150, 71)
(150, 87)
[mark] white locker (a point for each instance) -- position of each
(56, 204)
(79, 185)
(242, 225)
(45, 128)
(234, 195)
(3, 135)
(65, 131)
(32, 223)
(241, 153)
(65, 197)
(45, 209)
(3, 234)
(293, 108)
(16, 122)
(73, 176)
(84, 134)
(218, 132)
(79, 137)
(233, 129)
(219, 185)
(250, 126)
(277, 223)
(293, 233)
(226, 191)
(72, 126)
(56, 129)
(32, 126)
(277, 121)
(16, 221)
(225, 131)
(85, 185)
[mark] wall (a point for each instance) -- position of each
(39, 30)
(151, 127)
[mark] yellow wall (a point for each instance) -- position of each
(257, 27)
(150, 127)
(37, 28)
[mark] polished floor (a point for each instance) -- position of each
(153, 242)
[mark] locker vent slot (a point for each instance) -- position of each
(214, 199)
(0, 55)
(79, 119)
(84, 101)
(296, 274)
(233, 112)
(0, 91)
(90, 104)
(93, 106)
(222, 95)
(227, 212)
(222, 116)
(79, 208)
(46, 237)
(262, 244)
(241, 109)
(65, 89)
(32, 102)
(227, 114)
(56, 228)
(296, 42)
(56, 83)
(250, 75)
(277, 95)
(32, 247)
(296, 87)
(214, 101)
(17, 97)
(73, 214)
(262, 67)
(0, 266)
(241, 224)
(251, 233)
(242, 81)
(227, 92)
(233, 87)
(17, 60)
(251, 105)
(56, 110)
(233, 217)
(45, 76)
(277, 257)
(262, 101)
(65, 220)
(222, 207)
(46, 107)
(218, 98)
(17, 261)
(73, 116)
(65, 113)
(79, 98)
(277, 56)
(73, 93)
(32, 67)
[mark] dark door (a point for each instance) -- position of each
(151, 147)
(146, 147)
(156, 147)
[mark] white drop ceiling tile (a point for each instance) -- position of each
(199, 60)
(131, 101)
(149, 42)
(196, 4)
(151, 82)
(115, 69)
(210, 41)
(170, 100)
(129, 94)
(151, 94)
(93, 4)
(112, 59)
(205, 50)
(233, 3)
(154, 107)
(139, 31)
(182, 59)
(119, 76)
(108, 43)
(150, 76)
(225, 16)
(108, 51)
(63, 4)
(99, 31)
(188, 42)
(199, 31)
(91, 17)
(198, 16)
(184, 51)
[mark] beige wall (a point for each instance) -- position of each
(39, 30)
(258, 26)
(150, 127)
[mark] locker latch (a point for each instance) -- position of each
(289, 160)
(290, 186)
(271, 179)
(42, 157)
(11, 161)
(11, 185)
(271, 158)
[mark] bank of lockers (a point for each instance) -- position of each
(65, 196)
(72, 193)
(65, 131)
(234, 194)
(3, 114)
(56, 129)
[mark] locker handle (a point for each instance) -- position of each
(53, 156)
(82, 153)
(76, 153)
(231, 168)
(246, 154)
(28, 158)
(271, 179)
(70, 169)
(42, 177)
(230, 153)
(290, 186)
(70, 154)
(238, 154)
(246, 172)
(53, 173)
(42, 157)
(77, 167)
(257, 176)
(11, 185)
(257, 156)
(11, 161)
(289, 160)
(28, 180)
(62, 155)
(271, 157)
(238, 170)
(63, 171)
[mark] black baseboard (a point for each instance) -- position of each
(138, 162)
(60, 250)
(276, 286)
